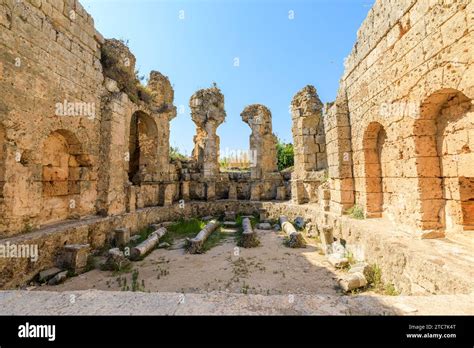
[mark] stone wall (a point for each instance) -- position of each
(79, 135)
(409, 72)
(309, 145)
(50, 86)
(407, 263)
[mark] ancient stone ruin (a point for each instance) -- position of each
(382, 170)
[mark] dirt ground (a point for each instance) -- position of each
(269, 269)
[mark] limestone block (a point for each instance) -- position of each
(122, 236)
(46, 275)
(337, 261)
(185, 190)
(249, 237)
(168, 195)
(255, 192)
(229, 216)
(116, 260)
(210, 191)
(353, 281)
(74, 257)
(281, 193)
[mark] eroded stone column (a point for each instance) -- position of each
(309, 145)
(207, 112)
(339, 150)
(262, 140)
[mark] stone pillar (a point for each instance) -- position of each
(207, 112)
(263, 153)
(114, 156)
(339, 149)
(162, 98)
(309, 144)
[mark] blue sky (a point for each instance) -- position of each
(276, 55)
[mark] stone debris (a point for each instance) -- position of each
(360, 267)
(46, 275)
(122, 237)
(295, 238)
(276, 227)
(148, 244)
(229, 223)
(207, 218)
(337, 261)
(58, 278)
(263, 226)
(194, 245)
(249, 237)
(74, 257)
(116, 260)
(353, 281)
(300, 222)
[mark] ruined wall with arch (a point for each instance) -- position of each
(410, 75)
(44, 91)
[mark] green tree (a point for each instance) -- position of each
(175, 153)
(285, 155)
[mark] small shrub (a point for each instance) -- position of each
(356, 212)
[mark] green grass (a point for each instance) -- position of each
(214, 239)
(375, 283)
(253, 220)
(356, 212)
(182, 229)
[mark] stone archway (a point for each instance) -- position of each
(445, 155)
(64, 167)
(373, 144)
(143, 148)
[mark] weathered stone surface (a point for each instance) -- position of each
(207, 112)
(58, 278)
(249, 237)
(116, 260)
(264, 226)
(262, 141)
(295, 238)
(396, 145)
(353, 281)
(229, 216)
(122, 237)
(148, 244)
(300, 222)
(74, 257)
(46, 275)
(337, 260)
(195, 244)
